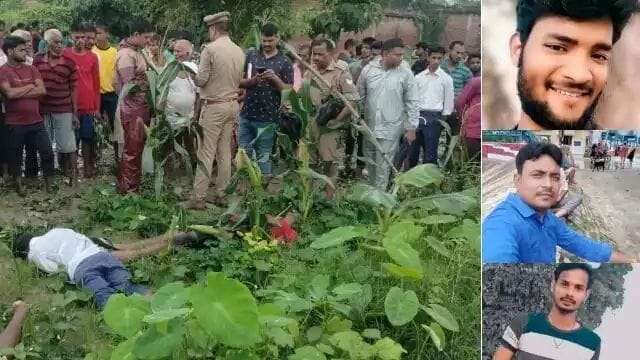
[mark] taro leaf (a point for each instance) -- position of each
(346, 290)
(124, 314)
(405, 231)
(240, 355)
(170, 296)
(421, 176)
(400, 306)
(319, 286)
(325, 349)
(124, 350)
(314, 334)
(453, 203)
(337, 324)
(437, 219)
(387, 349)
(352, 343)
(226, 310)
(338, 236)
(165, 315)
(402, 271)
(307, 353)
(341, 308)
(371, 334)
(267, 313)
(440, 314)
(156, 343)
(438, 246)
(437, 334)
(197, 335)
(401, 252)
(469, 230)
(280, 337)
(360, 302)
(292, 302)
(371, 196)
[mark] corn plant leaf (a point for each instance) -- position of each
(400, 306)
(437, 335)
(442, 316)
(124, 314)
(338, 236)
(171, 296)
(157, 343)
(421, 176)
(227, 310)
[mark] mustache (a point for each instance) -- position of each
(581, 87)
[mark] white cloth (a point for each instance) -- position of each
(181, 100)
(61, 250)
(435, 91)
(3, 58)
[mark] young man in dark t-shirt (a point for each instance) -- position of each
(22, 87)
(558, 335)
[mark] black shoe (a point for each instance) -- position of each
(188, 239)
(104, 243)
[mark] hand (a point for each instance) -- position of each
(410, 135)
(20, 307)
(269, 75)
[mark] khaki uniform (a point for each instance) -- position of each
(219, 75)
(337, 75)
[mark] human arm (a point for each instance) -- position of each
(14, 93)
(10, 336)
(464, 98)
(283, 80)
(503, 353)
(74, 99)
(447, 106)
(499, 239)
(509, 343)
(96, 84)
(251, 78)
(582, 246)
(204, 68)
(411, 107)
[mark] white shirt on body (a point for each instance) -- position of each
(435, 91)
(61, 250)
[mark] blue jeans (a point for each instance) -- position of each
(427, 139)
(105, 275)
(249, 140)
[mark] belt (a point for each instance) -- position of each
(216, 101)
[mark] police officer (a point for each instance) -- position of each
(336, 74)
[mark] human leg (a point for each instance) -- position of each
(389, 148)
(431, 138)
(17, 138)
(87, 137)
(43, 145)
(90, 274)
(131, 160)
(223, 151)
(263, 145)
(246, 135)
(211, 120)
(370, 152)
(417, 145)
(10, 336)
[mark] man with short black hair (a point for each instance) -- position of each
(107, 56)
(349, 53)
(523, 229)
(563, 53)
(267, 73)
(454, 65)
(558, 335)
(422, 52)
(390, 96)
(474, 63)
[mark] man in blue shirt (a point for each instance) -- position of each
(522, 229)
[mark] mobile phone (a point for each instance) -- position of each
(260, 69)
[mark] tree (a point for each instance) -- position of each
(510, 290)
(337, 16)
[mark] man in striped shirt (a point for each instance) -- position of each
(58, 106)
(455, 67)
(558, 335)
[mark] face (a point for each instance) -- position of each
(55, 46)
(563, 68)
(154, 47)
(78, 39)
(419, 52)
(321, 57)
(539, 183)
(570, 290)
(89, 39)
(182, 51)
(148, 38)
(474, 65)
(365, 52)
(457, 53)
(101, 35)
(376, 52)
(434, 60)
(393, 57)
(305, 54)
(19, 53)
(269, 43)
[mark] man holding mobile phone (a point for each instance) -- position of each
(267, 73)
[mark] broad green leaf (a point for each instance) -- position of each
(402, 271)
(352, 343)
(325, 349)
(307, 353)
(401, 252)
(314, 334)
(344, 309)
(347, 289)
(124, 314)
(387, 349)
(453, 203)
(159, 341)
(197, 336)
(437, 219)
(170, 296)
(269, 311)
(240, 355)
(421, 176)
(124, 350)
(227, 310)
(337, 324)
(372, 196)
(338, 236)
(440, 314)
(360, 302)
(165, 315)
(319, 286)
(371, 334)
(280, 337)
(292, 302)
(469, 230)
(405, 231)
(437, 335)
(400, 306)
(438, 246)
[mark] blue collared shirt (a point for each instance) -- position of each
(515, 233)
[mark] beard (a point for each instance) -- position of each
(540, 113)
(562, 309)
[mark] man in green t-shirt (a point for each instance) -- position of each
(558, 335)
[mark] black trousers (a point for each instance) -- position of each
(4, 144)
(36, 135)
(352, 141)
(108, 104)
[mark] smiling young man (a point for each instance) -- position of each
(558, 335)
(563, 50)
(523, 229)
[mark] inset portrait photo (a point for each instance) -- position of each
(555, 196)
(565, 65)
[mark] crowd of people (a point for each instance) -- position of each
(56, 90)
(601, 154)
